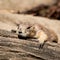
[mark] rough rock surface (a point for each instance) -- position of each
(12, 48)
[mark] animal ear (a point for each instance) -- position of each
(18, 26)
(13, 31)
(28, 27)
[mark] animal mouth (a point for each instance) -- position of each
(20, 32)
(22, 36)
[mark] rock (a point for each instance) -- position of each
(19, 49)
(24, 5)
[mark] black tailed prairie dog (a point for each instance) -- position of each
(41, 33)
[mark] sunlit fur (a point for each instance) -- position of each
(39, 32)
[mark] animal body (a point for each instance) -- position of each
(41, 33)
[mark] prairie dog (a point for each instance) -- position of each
(22, 29)
(39, 32)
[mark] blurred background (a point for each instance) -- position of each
(44, 8)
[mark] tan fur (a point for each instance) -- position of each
(51, 35)
(43, 34)
(39, 32)
(23, 28)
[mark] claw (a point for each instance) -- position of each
(41, 46)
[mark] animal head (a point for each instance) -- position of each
(26, 29)
(23, 29)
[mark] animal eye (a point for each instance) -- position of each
(28, 28)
